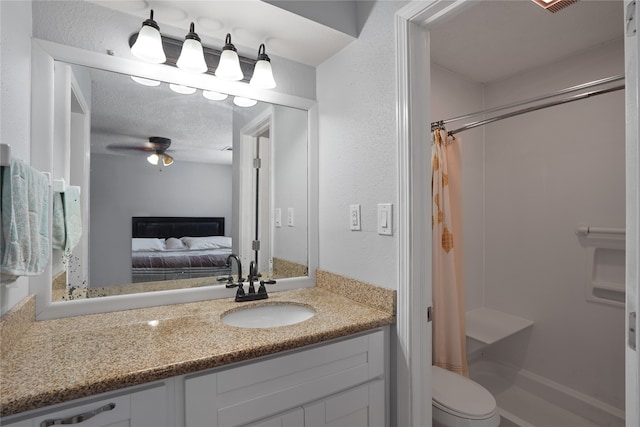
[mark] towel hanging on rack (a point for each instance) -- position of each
(24, 212)
(67, 222)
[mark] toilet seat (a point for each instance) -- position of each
(460, 396)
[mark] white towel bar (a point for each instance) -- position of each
(585, 230)
(59, 185)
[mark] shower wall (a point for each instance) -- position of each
(546, 172)
(528, 182)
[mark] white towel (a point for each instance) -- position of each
(24, 212)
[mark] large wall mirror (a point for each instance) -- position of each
(169, 183)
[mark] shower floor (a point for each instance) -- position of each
(521, 408)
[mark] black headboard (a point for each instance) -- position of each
(164, 227)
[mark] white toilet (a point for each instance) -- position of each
(461, 402)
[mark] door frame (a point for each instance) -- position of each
(414, 250)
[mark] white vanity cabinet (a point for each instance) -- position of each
(148, 407)
(337, 384)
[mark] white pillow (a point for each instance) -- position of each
(172, 243)
(208, 242)
(147, 244)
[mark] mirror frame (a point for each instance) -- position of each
(43, 55)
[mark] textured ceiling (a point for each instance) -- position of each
(493, 40)
(125, 113)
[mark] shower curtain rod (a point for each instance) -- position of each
(535, 108)
(435, 125)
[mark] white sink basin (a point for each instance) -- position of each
(268, 316)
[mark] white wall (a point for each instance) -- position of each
(15, 104)
(126, 186)
(546, 173)
(358, 149)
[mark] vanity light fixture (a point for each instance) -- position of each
(214, 96)
(229, 65)
(145, 82)
(148, 45)
(241, 101)
(262, 73)
(191, 56)
(184, 90)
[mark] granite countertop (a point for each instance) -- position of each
(64, 359)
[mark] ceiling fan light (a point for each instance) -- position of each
(153, 158)
(191, 56)
(167, 160)
(262, 72)
(214, 96)
(184, 90)
(148, 45)
(229, 65)
(241, 101)
(145, 82)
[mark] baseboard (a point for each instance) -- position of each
(567, 398)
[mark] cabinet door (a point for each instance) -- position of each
(293, 418)
(241, 395)
(362, 406)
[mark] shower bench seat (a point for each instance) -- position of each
(488, 326)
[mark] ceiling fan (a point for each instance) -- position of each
(156, 145)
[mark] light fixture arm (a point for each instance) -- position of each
(228, 45)
(192, 33)
(262, 55)
(151, 22)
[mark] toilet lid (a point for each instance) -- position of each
(460, 395)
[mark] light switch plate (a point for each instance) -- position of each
(278, 217)
(354, 218)
(385, 219)
(289, 217)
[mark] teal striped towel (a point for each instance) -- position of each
(24, 212)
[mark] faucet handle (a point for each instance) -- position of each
(262, 289)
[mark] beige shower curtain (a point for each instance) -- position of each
(449, 332)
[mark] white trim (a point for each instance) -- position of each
(43, 55)
(414, 229)
(246, 207)
(632, 159)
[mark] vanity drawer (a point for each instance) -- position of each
(147, 407)
(250, 392)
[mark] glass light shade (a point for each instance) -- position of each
(229, 66)
(214, 96)
(263, 75)
(244, 102)
(148, 46)
(167, 160)
(145, 82)
(191, 57)
(153, 158)
(184, 90)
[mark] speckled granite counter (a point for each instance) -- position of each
(59, 360)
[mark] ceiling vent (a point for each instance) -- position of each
(554, 5)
